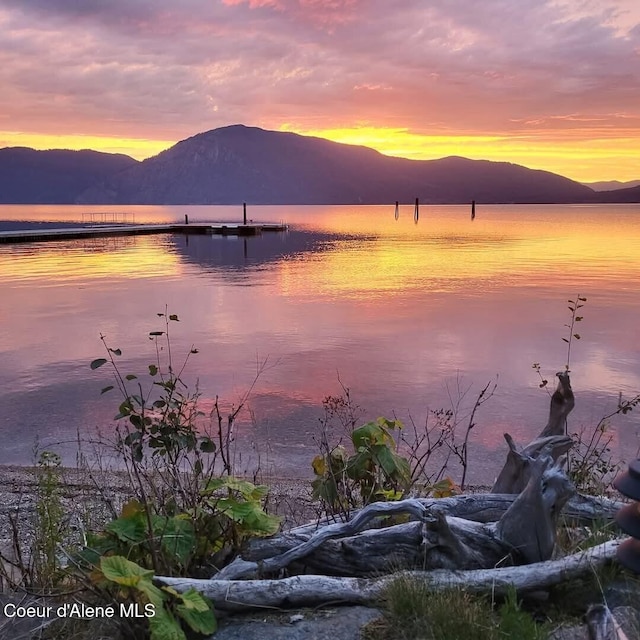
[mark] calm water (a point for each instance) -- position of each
(404, 314)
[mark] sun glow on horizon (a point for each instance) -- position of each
(572, 154)
(576, 154)
(138, 148)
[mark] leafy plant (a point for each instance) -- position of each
(574, 305)
(374, 469)
(173, 539)
(591, 465)
(168, 613)
(49, 523)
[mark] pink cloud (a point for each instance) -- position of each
(160, 68)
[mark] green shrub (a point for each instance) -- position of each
(374, 471)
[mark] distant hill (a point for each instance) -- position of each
(238, 163)
(247, 164)
(619, 195)
(612, 185)
(54, 177)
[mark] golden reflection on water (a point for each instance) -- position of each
(449, 254)
(67, 262)
(396, 307)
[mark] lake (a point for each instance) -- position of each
(408, 315)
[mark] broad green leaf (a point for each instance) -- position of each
(98, 362)
(325, 489)
(153, 370)
(123, 572)
(116, 352)
(259, 491)
(131, 376)
(163, 626)
(105, 389)
(372, 433)
(243, 486)
(178, 538)
(386, 459)
(130, 529)
(194, 601)
(213, 485)
(197, 612)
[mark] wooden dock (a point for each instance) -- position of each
(99, 231)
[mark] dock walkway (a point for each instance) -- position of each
(98, 231)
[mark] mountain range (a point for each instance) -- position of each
(237, 164)
(54, 177)
(610, 185)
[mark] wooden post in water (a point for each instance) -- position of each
(244, 213)
(397, 210)
(473, 209)
(186, 219)
(416, 212)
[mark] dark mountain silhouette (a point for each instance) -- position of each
(619, 195)
(612, 185)
(246, 164)
(237, 163)
(53, 177)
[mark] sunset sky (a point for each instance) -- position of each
(552, 85)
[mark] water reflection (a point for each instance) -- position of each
(221, 254)
(77, 261)
(397, 310)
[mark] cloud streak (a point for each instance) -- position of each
(164, 70)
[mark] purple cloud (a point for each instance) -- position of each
(158, 68)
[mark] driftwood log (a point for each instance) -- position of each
(526, 532)
(312, 590)
(479, 542)
(481, 507)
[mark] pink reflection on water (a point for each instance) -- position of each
(398, 311)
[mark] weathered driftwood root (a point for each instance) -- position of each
(526, 532)
(433, 541)
(311, 590)
(530, 524)
(485, 508)
(553, 441)
(517, 469)
(562, 403)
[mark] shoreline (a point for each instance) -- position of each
(85, 493)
